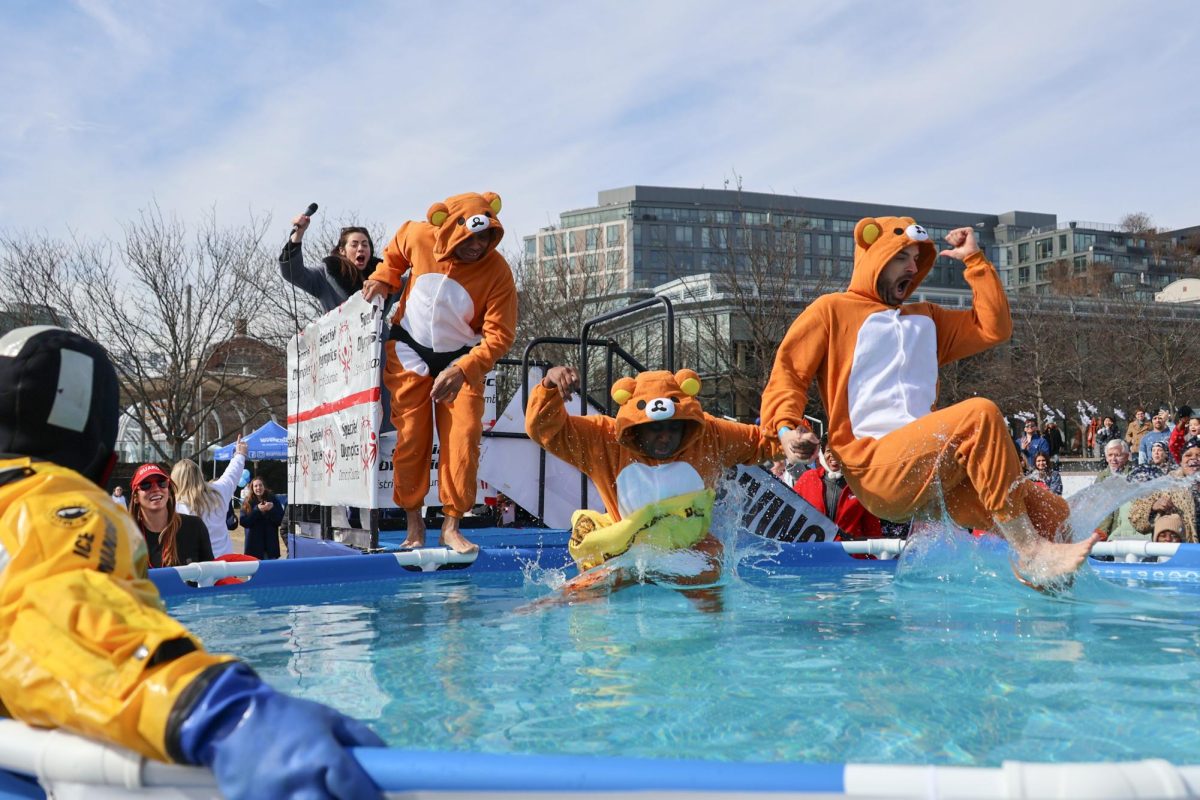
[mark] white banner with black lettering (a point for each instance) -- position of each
(334, 406)
(773, 510)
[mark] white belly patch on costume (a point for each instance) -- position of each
(893, 378)
(438, 313)
(638, 485)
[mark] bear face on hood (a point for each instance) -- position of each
(877, 240)
(658, 396)
(462, 216)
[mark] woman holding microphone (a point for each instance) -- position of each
(341, 273)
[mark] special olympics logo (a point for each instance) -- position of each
(305, 461)
(345, 346)
(368, 447)
(330, 456)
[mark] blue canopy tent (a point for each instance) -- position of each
(268, 443)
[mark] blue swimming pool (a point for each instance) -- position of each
(808, 656)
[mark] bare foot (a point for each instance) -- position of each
(416, 529)
(1049, 565)
(452, 537)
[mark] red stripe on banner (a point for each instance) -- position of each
(366, 396)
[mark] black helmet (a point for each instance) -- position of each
(59, 399)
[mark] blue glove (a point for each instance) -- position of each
(261, 743)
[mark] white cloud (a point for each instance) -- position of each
(1082, 109)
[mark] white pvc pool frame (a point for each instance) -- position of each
(75, 767)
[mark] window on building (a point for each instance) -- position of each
(1079, 264)
(1041, 272)
(1045, 248)
(825, 265)
(612, 258)
(1062, 243)
(754, 217)
(657, 234)
(1022, 275)
(845, 246)
(612, 236)
(658, 258)
(531, 247)
(845, 267)
(593, 238)
(714, 237)
(842, 225)
(1083, 241)
(683, 234)
(824, 244)
(549, 246)
(1102, 258)
(637, 234)
(1023, 252)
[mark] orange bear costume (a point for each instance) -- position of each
(607, 451)
(876, 367)
(451, 312)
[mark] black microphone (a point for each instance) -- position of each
(308, 212)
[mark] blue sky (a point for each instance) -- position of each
(377, 109)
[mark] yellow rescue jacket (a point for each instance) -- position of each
(85, 643)
(670, 524)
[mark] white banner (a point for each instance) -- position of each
(774, 511)
(333, 406)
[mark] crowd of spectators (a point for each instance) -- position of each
(1150, 448)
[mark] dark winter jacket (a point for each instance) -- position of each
(326, 283)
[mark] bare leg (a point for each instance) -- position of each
(452, 536)
(416, 528)
(1042, 563)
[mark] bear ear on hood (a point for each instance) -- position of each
(689, 382)
(493, 201)
(622, 390)
(867, 232)
(437, 214)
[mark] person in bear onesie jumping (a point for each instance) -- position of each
(876, 360)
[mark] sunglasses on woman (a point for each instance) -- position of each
(152, 483)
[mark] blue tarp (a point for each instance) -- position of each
(267, 443)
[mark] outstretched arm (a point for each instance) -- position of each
(989, 320)
(579, 441)
(800, 355)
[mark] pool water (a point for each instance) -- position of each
(943, 659)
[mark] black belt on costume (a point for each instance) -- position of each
(434, 360)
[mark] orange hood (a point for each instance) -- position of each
(461, 216)
(658, 397)
(876, 241)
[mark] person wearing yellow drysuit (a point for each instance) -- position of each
(656, 466)
(85, 643)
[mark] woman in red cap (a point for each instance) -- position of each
(172, 538)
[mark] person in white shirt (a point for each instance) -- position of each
(210, 500)
(118, 496)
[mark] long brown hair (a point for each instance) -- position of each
(167, 536)
(248, 500)
(347, 267)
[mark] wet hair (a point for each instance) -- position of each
(347, 267)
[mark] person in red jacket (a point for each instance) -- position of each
(1180, 434)
(826, 490)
